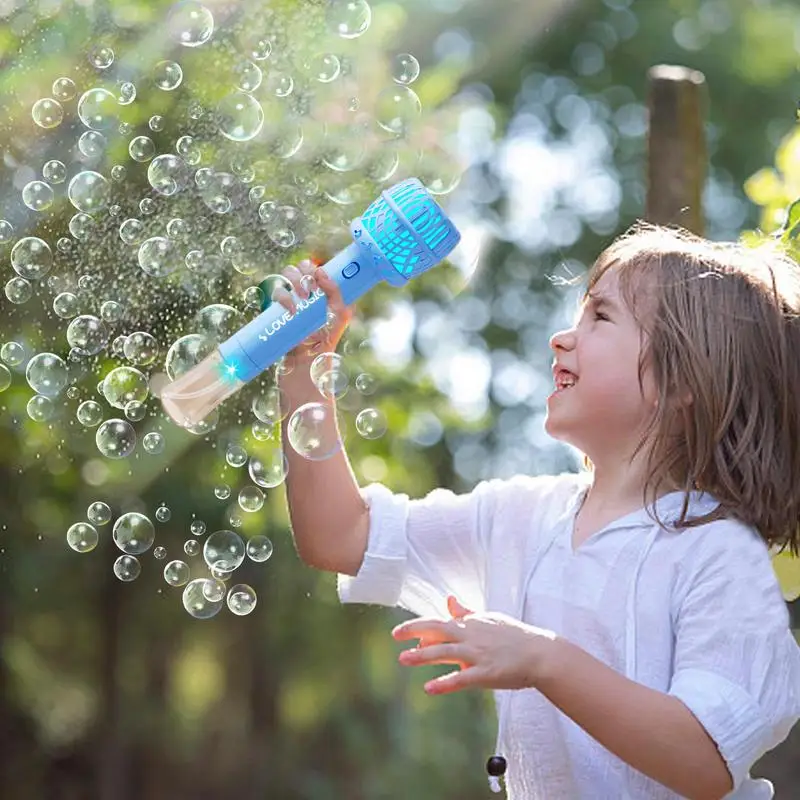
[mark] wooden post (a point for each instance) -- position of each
(676, 157)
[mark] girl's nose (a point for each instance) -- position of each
(563, 340)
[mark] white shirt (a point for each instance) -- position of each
(696, 613)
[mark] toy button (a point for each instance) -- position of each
(351, 269)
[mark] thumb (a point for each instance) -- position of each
(455, 608)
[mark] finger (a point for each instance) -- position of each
(455, 608)
(417, 628)
(295, 276)
(447, 653)
(333, 293)
(455, 681)
(280, 295)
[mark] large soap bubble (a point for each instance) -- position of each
(124, 385)
(240, 117)
(31, 258)
(116, 438)
(47, 112)
(190, 23)
(168, 174)
(134, 533)
(87, 334)
(98, 109)
(47, 374)
(159, 257)
(88, 191)
(349, 18)
(224, 551)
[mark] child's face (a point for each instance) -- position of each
(604, 413)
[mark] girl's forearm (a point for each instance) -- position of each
(649, 730)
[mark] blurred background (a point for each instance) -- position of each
(160, 162)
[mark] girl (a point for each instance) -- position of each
(628, 617)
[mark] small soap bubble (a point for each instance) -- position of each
(127, 568)
(329, 375)
(167, 75)
(405, 69)
(224, 550)
(311, 431)
(6, 231)
(64, 88)
(258, 47)
(101, 56)
(37, 195)
(116, 438)
(241, 599)
(47, 113)
(147, 206)
(251, 499)
(89, 413)
(131, 231)
(168, 174)
(13, 353)
(270, 470)
(240, 117)
(190, 23)
(81, 226)
(349, 18)
(158, 257)
(215, 589)
(82, 537)
(197, 527)
(236, 455)
(87, 334)
(153, 443)
(371, 423)
(222, 491)
(98, 513)
(160, 552)
(281, 84)
(18, 290)
(259, 549)
(92, 144)
(141, 148)
(111, 311)
(5, 377)
(89, 191)
(40, 408)
(176, 573)
(133, 533)
(98, 109)
(248, 75)
(54, 171)
(31, 258)
(325, 68)
(163, 514)
(124, 384)
(397, 108)
(126, 94)
(366, 383)
(135, 411)
(191, 547)
(271, 406)
(47, 374)
(197, 603)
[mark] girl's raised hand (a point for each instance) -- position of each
(493, 650)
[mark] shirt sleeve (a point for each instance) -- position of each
(737, 664)
(419, 551)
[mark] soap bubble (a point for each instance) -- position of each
(281, 84)
(141, 148)
(248, 75)
(215, 589)
(81, 226)
(312, 432)
(64, 88)
(349, 18)
(158, 257)
(98, 513)
(187, 352)
(163, 514)
(329, 375)
(133, 533)
(131, 231)
(259, 549)
(37, 195)
(123, 385)
(366, 383)
(98, 109)
(101, 56)
(325, 68)
(177, 573)
(218, 321)
(236, 456)
(153, 443)
(92, 144)
(405, 68)
(439, 171)
(191, 547)
(126, 94)
(18, 290)
(47, 113)
(168, 174)
(190, 23)
(269, 471)
(167, 75)
(241, 599)
(127, 568)
(397, 108)
(186, 148)
(54, 171)
(90, 413)
(5, 377)
(141, 348)
(31, 258)
(135, 410)
(13, 353)
(159, 552)
(40, 408)
(241, 117)
(224, 550)
(111, 311)
(371, 423)
(258, 47)
(196, 602)
(6, 231)
(87, 334)
(88, 191)
(251, 499)
(271, 406)
(47, 374)
(116, 438)
(197, 527)
(82, 537)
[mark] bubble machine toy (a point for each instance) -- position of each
(402, 234)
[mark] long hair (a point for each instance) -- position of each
(722, 325)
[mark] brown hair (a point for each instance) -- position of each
(722, 325)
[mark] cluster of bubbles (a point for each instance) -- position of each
(223, 552)
(176, 253)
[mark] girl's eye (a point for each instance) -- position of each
(600, 315)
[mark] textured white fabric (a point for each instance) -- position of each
(695, 613)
